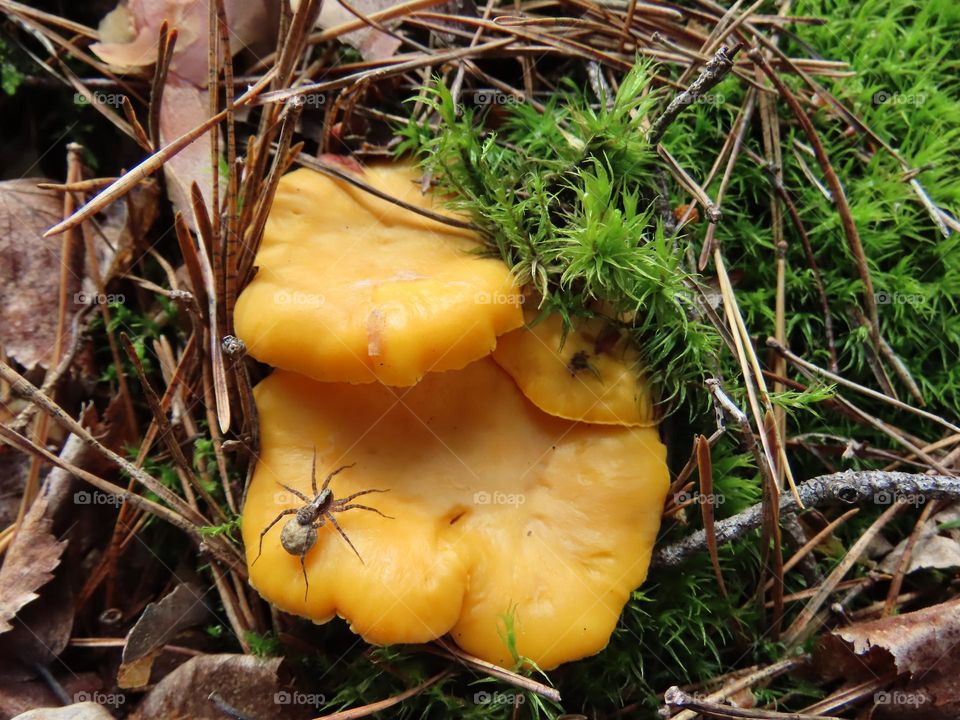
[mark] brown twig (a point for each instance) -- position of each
(849, 487)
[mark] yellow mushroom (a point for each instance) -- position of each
(353, 288)
(590, 375)
(493, 508)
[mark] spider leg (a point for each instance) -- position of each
(330, 476)
(364, 507)
(289, 511)
(358, 494)
(334, 522)
(306, 582)
(295, 492)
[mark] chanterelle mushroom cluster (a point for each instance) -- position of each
(525, 482)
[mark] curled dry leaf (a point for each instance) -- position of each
(130, 33)
(158, 624)
(919, 647)
(247, 684)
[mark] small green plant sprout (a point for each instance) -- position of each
(299, 534)
(228, 528)
(265, 645)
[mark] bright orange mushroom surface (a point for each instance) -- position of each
(589, 375)
(496, 508)
(354, 288)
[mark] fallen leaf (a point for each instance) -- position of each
(247, 684)
(19, 696)
(184, 107)
(14, 467)
(933, 550)
(77, 711)
(159, 623)
(369, 42)
(29, 563)
(919, 647)
(130, 33)
(30, 272)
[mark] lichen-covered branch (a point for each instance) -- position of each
(849, 487)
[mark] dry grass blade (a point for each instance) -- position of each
(367, 710)
(840, 380)
(165, 429)
(749, 680)
(333, 171)
(705, 470)
(515, 679)
(814, 541)
(15, 439)
(675, 697)
(801, 626)
(212, 328)
(20, 386)
(836, 191)
(166, 44)
(150, 165)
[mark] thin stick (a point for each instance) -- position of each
(849, 487)
(515, 679)
(801, 626)
(716, 69)
(15, 439)
(840, 380)
(150, 165)
(749, 680)
(23, 387)
(675, 697)
(376, 707)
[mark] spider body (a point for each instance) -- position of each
(299, 533)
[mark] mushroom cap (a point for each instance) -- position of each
(353, 288)
(497, 508)
(590, 375)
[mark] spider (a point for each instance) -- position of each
(299, 534)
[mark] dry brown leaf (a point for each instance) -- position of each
(18, 697)
(160, 621)
(369, 42)
(77, 711)
(30, 271)
(130, 34)
(246, 683)
(933, 550)
(14, 467)
(920, 647)
(184, 107)
(29, 563)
